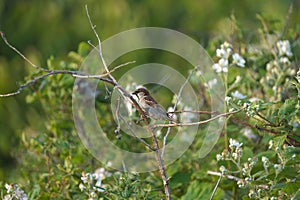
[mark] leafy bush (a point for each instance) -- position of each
(259, 161)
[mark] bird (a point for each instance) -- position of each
(150, 106)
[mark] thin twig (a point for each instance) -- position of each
(183, 85)
(265, 119)
(90, 43)
(195, 111)
(216, 187)
(20, 54)
(225, 175)
(77, 74)
(174, 108)
(200, 122)
(117, 131)
(159, 159)
(135, 136)
(98, 38)
(102, 75)
(234, 178)
(118, 117)
(55, 72)
(272, 131)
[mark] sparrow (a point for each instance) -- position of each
(150, 106)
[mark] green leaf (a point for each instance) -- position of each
(30, 98)
(279, 140)
(288, 107)
(84, 49)
(291, 187)
(180, 178)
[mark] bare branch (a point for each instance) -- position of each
(55, 72)
(225, 175)
(117, 131)
(230, 177)
(119, 116)
(216, 187)
(102, 75)
(196, 112)
(159, 159)
(182, 87)
(136, 137)
(20, 54)
(98, 38)
(200, 122)
(174, 108)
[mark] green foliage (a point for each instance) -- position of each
(261, 162)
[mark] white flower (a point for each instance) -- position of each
(86, 177)
(9, 187)
(219, 157)
(101, 174)
(211, 83)
(284, 48)
(284, 60)
(228, 99)
(270, 144)
(98, 186)
(199, 73)
(238, 60)
(221, 53)
(238, 95)
(81, 187)
(14, 192)
(238, 78)
(170, 110)
(235, 156)
(8, 197)
(222, 169)
(20, 194)
(93, 195)
(234, 143)
(246, 104)
(264, 159)
(109, 164)
(225, 51)
(226, 45)
(221, 66)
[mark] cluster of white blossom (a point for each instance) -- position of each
(14, 192)
(280, 68)
(226, 55)
(92, 182)
(283, 153)
(234, 154)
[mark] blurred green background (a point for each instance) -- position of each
(41, 29)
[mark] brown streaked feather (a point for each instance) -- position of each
(150, 100)
(143, 90)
